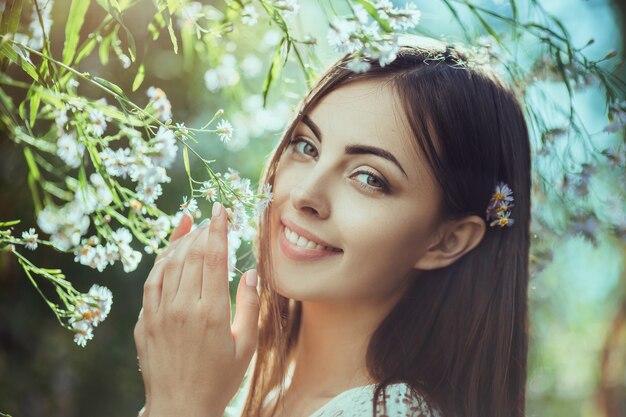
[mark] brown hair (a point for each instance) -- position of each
(459, 335)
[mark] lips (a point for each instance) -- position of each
(302, 242)
(302, 245)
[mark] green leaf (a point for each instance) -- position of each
(113, 7)
(186, 160)
(35, 99)
(7, 51)
(32, 165)
(108, 84)
(85, 49)
(11, 17)
(9, 223)
(274, 71)
(103, 51)
(141, 72)
(75, 20)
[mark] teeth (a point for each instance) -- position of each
(303, 242)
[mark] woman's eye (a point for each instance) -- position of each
(303, 146)
(369, 181)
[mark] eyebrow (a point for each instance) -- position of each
(356, 149)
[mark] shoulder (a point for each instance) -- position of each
(399, 401)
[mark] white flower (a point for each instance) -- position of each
(104, 298)
(122, 236)
(164, 147)
(340, 36)
(83, 332)
(208, 191)
(288, 7)
(130, 259)
(98, 122)
(30, 238)
(224, 130)
(251, 66)
(264, 199)
(125, 61)
(70, 150)
(66, 224)
(189, 207)
(112, 253)
(149, 193)
(86, 253)
(224, 75)
(160, 103)
(61, 119)
(102, 192)
(249, 15)
(357, 65)
(37, 39)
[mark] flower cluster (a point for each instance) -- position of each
(242, 206)
(117, 248)
(89, 310)
(364, 37)
(160, 104)
(617, 116)
(498, 211)
(145, 162)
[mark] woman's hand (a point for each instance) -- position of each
(192, 359)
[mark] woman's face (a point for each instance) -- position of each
(351, 180)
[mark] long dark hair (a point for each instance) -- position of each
(459, 335)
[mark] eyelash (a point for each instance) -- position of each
(383, 188)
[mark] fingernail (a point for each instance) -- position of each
(217, 209)
(251, 278)
(204, 223)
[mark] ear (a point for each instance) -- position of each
(455, 239)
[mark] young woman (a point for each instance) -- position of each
(393, 280)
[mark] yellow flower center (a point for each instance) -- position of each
(498, 197)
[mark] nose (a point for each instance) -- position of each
(311, 196)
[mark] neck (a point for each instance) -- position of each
(330, 355)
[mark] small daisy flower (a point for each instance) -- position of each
(83, 332)
(498, 210)
(225, 131)
(503, 220)
(30, 239)
(189, 207)
(98, 122)
(502, 194)
(208, 191)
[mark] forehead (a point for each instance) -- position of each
(369, 112)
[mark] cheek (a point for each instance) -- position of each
(389, 245)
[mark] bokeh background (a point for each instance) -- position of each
(577, 362)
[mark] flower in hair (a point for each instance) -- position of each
(499, 208)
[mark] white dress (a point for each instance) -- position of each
(357, 402)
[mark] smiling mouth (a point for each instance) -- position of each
(302, 242)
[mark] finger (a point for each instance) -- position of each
(183, 227)
(246, 322)
(215, 266)
(142, 353)
(173, 266)
(152, 290)
(190, 286)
